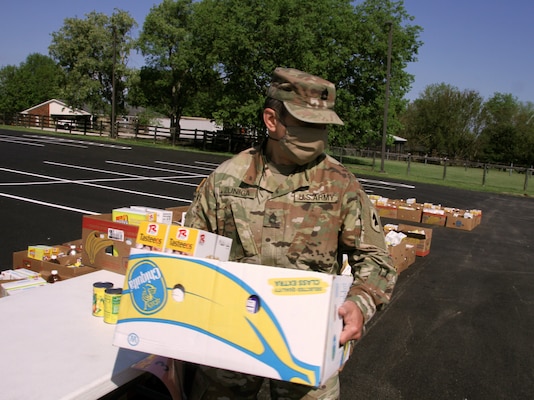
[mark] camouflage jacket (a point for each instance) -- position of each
(311, 220)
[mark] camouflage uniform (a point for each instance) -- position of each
(308, 221)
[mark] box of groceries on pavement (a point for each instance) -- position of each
(274, 322)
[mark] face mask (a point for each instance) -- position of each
(302, 144)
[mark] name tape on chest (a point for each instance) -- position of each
(306, 197)
(247, 193)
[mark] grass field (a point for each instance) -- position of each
(495, 180)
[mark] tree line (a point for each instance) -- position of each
(214, 59)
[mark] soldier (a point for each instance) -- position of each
(287, 204)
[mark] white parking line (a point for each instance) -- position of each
(158, 179)
(11, 139)
(76, 182)
(402, 185)
(189, 174)
(187, 165)
(66, 141)
(44, 203)
(207, 163)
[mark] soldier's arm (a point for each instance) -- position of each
(372, 267)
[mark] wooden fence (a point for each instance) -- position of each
(221, 140)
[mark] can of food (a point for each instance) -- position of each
(112, 301)
(98, 297)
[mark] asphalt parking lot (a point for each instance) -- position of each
(460, 321)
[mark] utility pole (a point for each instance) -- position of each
(386, 99)
(113, 94)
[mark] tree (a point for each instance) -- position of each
(93, 53)
(172, 76)
(363, 77)
(525, 125)
(444, 121)
(34, 81)
(502, 139)
(243, 41)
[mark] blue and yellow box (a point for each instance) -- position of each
(273, 322)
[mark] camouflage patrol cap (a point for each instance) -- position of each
(307, 97)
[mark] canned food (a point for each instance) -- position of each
(112, 301)
(98, 297)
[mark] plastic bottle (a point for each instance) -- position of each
(54, 276)
(54, 260)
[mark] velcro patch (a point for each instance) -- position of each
(307, 197)
(375, 224)
(247, 193)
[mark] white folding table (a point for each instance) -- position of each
(52, 347)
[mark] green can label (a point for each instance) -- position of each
(112, 301)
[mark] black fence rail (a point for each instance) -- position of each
(413, 164)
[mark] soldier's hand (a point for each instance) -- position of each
(352, 322)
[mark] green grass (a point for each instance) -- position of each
(496, 181)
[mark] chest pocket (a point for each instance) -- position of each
(315, 244)
(232, 222)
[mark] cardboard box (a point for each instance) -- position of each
(18, 286)
(197, 243)
(66, 267)
(402, 254)
(418, 236)
(457, 219)
(385, 207)
(107, 244)
(152, 236)
(477, 216)
(162, 216)
(42, 252)
(433, 217)
(410, 256)
(274, 322)
(132, 216)
(409, 212)
(178, 214)
(182, 240)
(16, 275)
(19, 273)
(387, 210)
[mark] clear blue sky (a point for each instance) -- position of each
(479, 45)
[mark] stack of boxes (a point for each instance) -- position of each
(108, 238)
(178, 282)
(426, 213)
(18, 280)
(105, 244)
(405, 242)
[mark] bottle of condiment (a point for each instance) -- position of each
(54, 260)
(54, 276)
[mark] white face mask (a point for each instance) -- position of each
(302, 144)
